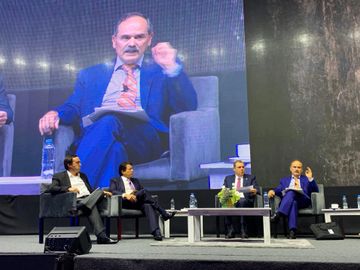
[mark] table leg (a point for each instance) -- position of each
(202, 226)
(191, 229)
(266, 225)
(327, 217)
(167, 228)
(197, 228)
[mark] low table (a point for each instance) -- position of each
(165, 225)
(194, 224)
(340, 212)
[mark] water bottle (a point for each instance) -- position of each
(266, 200)
(193, 201)
(48, 159)
(172, 204)
(358, 201)
(344, 201)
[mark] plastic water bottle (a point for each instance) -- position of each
(358, 201)
(172, 204)
(344, 202)
(266, 200)
(48, 159)
(193, 201)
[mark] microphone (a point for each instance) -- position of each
(125, 88)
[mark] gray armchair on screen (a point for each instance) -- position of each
(194, 138)
(6, 142)
(317, 203)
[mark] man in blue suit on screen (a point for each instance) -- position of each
(6, 114)
(123, 109)
(295, 193)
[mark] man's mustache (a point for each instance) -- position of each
(131, 50)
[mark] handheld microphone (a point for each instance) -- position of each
(125, 88)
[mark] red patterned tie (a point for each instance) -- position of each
(238, 184)
(128, 95)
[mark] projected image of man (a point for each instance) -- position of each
(150, 89)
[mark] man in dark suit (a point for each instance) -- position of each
(136, 197)
(72, 180)
(295, 192)
(6, 114)
(156, 87)
(239, 180)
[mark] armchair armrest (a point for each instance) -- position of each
(57, 205)
(316, 203)
(111, 206)
(194, 139)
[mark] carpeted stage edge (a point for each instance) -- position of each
(106, 264)
(49, 262)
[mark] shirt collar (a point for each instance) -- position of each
(119, 62)
(71, 175)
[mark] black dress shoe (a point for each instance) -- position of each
(168, 215)
(244, 235)
(292, 234)
(275, 217)
(230, 235)
(106, 240)
(157, 235)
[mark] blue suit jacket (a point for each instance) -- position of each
(307, 187)
(117, 185)
(4, 103)
(247, 181)
(161, 96)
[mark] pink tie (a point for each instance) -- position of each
(128, 95)
(238, 185)
(131, 185)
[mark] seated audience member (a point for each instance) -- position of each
(6, 114)
(72, 180)
(136, 197)
(240, 180)
(295, 192)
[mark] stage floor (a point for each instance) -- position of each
(334, 251)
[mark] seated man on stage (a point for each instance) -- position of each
(295, 192)
(136, 197)
(6, 114)
(72, 180)
(240, 180)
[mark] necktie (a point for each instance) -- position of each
(128, 95)
(131, 185)
(238, 185)
(296, 183)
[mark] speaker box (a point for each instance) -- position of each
(68, 239)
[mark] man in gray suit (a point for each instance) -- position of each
(239, 180)
(72, 180)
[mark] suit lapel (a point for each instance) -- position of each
(121, 185)
(67, 179)
(146, 81)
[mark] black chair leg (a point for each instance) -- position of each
(107, 226)
(119, 228)
(217, 226)
(137, 227)
(41, 230)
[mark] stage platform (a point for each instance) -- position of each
(23, 252)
